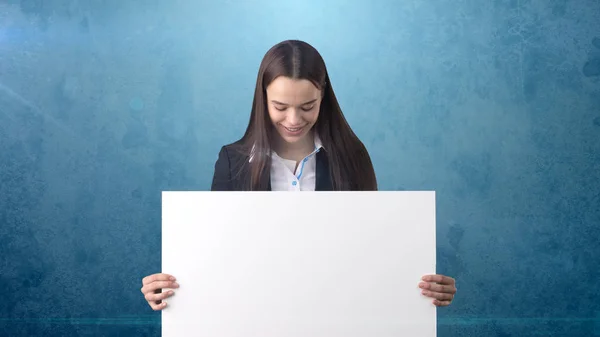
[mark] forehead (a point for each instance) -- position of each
(292, 91)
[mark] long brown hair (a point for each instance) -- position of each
(350, 167)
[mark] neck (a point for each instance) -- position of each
(296, 151)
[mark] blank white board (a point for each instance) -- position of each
(308, 264)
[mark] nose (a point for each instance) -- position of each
(294, 117)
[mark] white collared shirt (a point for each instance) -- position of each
(286, 177)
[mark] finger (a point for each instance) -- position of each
(157, 307)
(439, 279)
(157, 277)
(441, 303)
(151, 297)
(440, 288)
(438, 296)
(158, 285)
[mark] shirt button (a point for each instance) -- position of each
(294, 183)
(305, 160)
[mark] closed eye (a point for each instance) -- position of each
(285, 108)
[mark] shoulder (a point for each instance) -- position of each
(228, 166)
(233, 151)
(233, 156)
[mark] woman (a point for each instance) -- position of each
(297, 140)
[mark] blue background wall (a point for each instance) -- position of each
(493, 104)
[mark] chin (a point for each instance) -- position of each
(293, 140)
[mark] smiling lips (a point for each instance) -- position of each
(294, 131)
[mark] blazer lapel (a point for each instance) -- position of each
(241, 171)
(265, 180)
(323, 180)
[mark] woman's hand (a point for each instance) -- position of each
(441, 288)
(152, 286)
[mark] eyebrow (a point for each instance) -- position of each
(279, 103)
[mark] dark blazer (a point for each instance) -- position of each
(232, 171)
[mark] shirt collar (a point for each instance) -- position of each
(317, 141)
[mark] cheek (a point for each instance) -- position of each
(274, 115)
(314, 115)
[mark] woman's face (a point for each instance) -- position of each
(293, 107)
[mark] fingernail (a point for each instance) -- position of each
(171, 292)
(172, 278)
(422, 284)
(175, 284)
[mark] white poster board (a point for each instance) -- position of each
(308, 264)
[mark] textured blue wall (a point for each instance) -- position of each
(493, 104)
